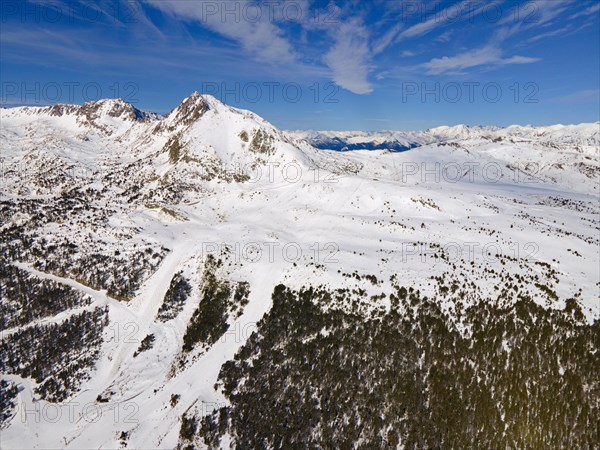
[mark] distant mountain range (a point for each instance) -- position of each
(583, 134)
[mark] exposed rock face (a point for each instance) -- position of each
(173, 146)
(262, 142)
(191, 109)
(92, 111)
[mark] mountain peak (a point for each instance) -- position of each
(116, 108)
(190, 109)
(93, 110)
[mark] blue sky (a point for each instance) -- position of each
(311, 64)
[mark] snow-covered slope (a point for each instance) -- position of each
(139, 253)
(559, 154)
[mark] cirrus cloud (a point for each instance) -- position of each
(486, 56)
(349, 58)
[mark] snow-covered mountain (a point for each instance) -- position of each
(586, 134)
(203, 279)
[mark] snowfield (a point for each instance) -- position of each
(113, 203)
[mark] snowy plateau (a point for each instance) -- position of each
(205, 280)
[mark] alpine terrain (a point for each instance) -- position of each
(205, 280)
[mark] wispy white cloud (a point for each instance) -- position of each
(523, 17)
(464, 10)
(261, 37)
(85, 51)
(382, 43)
(486, 56)
(533, 14)
(445, 36)
(350, 56)
(593, 9)
(557, 32)
(568, 29)
(583, 96)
